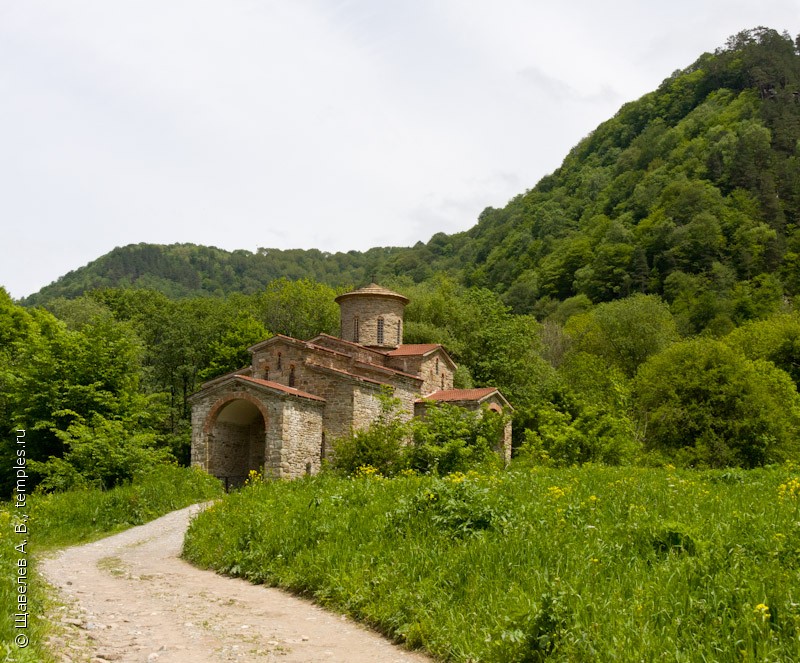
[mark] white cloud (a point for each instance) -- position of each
(314, 123)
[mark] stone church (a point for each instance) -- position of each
(280, 414)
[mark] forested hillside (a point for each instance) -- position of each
(692, 192)
(639, 305)
(187, 270)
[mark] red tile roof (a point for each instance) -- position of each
(461, 394)
(413, 349)
(280, 387)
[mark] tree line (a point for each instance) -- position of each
(637, 305)
(691, 192)
(101, 382)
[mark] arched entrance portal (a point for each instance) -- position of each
(236, 441)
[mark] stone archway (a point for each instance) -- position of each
(236, 438)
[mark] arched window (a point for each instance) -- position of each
(442, 380)
(266, 372)
(380, 331)
(355, 330)
(291, 376)
(437, 365)
(399, 334)
(279, 361)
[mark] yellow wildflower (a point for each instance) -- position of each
(790, 489)
(762, 610)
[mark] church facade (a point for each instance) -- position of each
(280, 414)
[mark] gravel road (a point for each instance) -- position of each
(130, 598)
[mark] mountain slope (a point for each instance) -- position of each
(696, 183)
(182, 270)
(692, 192)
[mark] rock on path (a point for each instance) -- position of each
(129, 598)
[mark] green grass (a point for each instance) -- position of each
(590, 564)
(64, 519)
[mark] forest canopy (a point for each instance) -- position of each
(639, 304)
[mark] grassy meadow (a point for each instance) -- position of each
(63, 519)
(582, 564)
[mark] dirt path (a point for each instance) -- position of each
(131, 599)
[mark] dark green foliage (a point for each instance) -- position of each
(100, 453)
(380, 446)
(447, 439)
(776, 339)
(451, 439)
(701, 403)
(577, 432)
(624, 333)
(300, 309)
(188, 270)
(57, 376)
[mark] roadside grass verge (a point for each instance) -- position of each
(63, 519)
(582, 564)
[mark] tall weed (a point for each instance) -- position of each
(591, 563)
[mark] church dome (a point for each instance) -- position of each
(372, 316)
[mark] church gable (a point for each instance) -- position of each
(240, 424)
(429, 361)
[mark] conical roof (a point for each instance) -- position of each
(373, 290)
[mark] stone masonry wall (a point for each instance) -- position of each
(238, 448)
(435, 372)
(366, 406)
(338, 395)
(275, 362)
(199, 438)
(301, 430)
(425, 367)
(356, 352)
(368, 310)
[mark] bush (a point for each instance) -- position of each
(100, 454)
(452, 439)
(447, 439)
(380, 446)
(591, 435)
(704, 404)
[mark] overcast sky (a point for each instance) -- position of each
(309, 123)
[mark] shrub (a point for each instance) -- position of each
(379, 446)
(704, 404)
(101, 453)
(447, 439)
(452, 439)
(590, 435)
